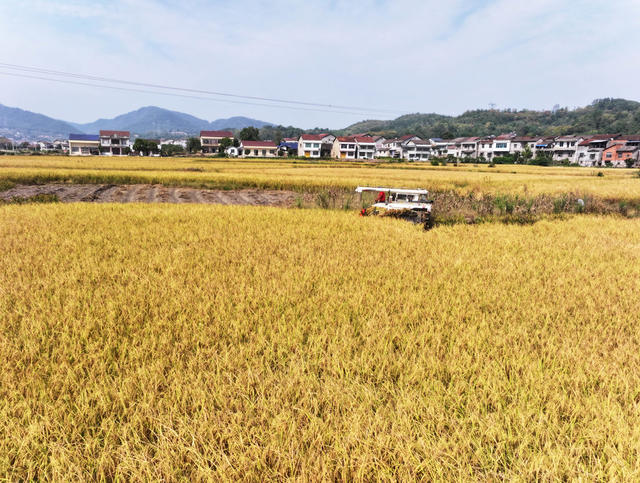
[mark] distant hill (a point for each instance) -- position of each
(603, 115)
(20, 124)
(155, 121)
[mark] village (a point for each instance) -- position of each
(605, 150)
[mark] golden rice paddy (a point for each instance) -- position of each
(201, 342)
(305, 176)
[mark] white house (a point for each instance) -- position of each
(258, 149)
(115, 143)
(84, 144)
(210, 140)
(315, 145)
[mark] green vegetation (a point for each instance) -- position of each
(603, 115)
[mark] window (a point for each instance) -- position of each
(75, 149)
(501, 145)
(609, 155)
(264, 152)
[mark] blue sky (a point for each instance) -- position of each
(398, 56)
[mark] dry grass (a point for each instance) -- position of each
(304, 176)
(196, 342)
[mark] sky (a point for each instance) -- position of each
(381, 58)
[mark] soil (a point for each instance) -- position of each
(147, 193)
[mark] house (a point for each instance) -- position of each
(365, 147)
(115, 143)
(501, 145)
(84, 144)
(519, 144)
(288, 147)
(416, 149)
(6, 143)
(565, 147)
(315, 145)
(438, 146)
(209, 140)
(389, 148)
(469, 147)
(344, 147)
(589, 151)
(619, 155)
(258, 149)
(485, 147)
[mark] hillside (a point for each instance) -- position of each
(156, 121)
(603, 115)
(20, 124)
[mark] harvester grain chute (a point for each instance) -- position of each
(410, 204)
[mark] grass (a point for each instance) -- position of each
(207, 342)
(318, 176)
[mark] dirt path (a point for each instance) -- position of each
(108, 193)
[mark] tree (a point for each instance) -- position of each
(193, 145)
(250, 134)
(225, 143)
(527, 154)
(145, 146)
(140, 146)
(171, 150)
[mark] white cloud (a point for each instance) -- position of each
(408, 55)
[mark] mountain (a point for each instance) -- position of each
(19, 124)
(155, 121)
(603, 115)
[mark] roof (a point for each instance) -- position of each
(408, 136)
(628, 148)
(258, 144)
(312, 137)
(418, 191)
(524, 139)
(364, 139)
(120, 134)
(216, 134)
(84, 137)
(346, 139)
(288, 144)
(504, 137)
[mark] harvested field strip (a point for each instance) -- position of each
(164, 342)
(68, 193)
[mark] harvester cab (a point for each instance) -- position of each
(410, 204)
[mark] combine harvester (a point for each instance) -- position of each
(408, 204)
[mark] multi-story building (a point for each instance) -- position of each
(115, 143)
(519, 144)
(344, 147)
(315, 145)
(258, 149)
(210, 140)
(416, 149)
(354, 147)
(84, 144)
(565, 148)
(469, 147)
(501, 145)
(485, 147)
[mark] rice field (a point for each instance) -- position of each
(304, 176)
(193, 342)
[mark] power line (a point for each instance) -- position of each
(129, 89)
(183, 89)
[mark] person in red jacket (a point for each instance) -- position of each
(382, 197)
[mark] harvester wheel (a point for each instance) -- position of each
(428, 221)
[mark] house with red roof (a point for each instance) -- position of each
(210, 140)
(315, 145)
(258, 149)
(115, 143)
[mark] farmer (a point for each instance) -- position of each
(382, 197)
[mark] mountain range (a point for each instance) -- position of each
(147, 121)
(601, 116)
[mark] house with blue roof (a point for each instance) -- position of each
(84, 144)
